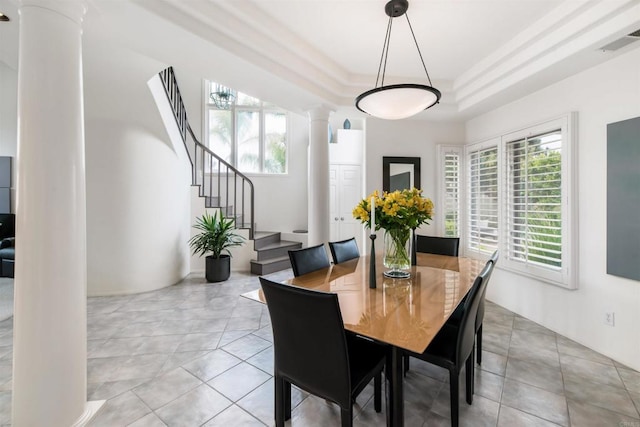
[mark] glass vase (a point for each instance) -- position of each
(397, 252)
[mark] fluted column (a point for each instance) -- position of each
(318, 187)
(50, 323)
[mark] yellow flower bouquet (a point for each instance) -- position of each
(397, 213)
(399, 209)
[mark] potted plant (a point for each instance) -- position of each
(216, 236)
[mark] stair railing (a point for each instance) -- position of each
(222, 185)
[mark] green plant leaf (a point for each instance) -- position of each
(217, 235)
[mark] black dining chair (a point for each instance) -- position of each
(344, 250)
(312, 351)
(437, 245)
(456, 316)
(309, 259)
(452, 348)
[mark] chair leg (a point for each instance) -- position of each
(287, 400)
(453, 391)
(377, 392)
(479, 341)
(473, 371)
(346, 415)
(279, 408)
(405, 364)
(469, 372)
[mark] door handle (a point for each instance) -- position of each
(336, 218)
(341, 218)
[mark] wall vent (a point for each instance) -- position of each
(622, 42)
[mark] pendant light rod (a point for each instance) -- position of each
(397, 101)
(385, 53)
(418, 47)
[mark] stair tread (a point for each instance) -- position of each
(280, 244)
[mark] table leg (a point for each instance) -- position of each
(395, 396)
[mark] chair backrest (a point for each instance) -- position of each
(309, 259)
(344, 250)
(310, 348)
(7, 225)
(437, 245)
(480, 316)
(467, 331)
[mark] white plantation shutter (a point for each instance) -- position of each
(452, 194)
(522, 199)
(534, 200)
(482, 230)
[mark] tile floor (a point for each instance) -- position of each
(198, 354)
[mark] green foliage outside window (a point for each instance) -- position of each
(537, 203)
(258, 141)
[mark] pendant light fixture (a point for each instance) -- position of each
(397, 101)
(222, 97)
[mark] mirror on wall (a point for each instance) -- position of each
(399, 173)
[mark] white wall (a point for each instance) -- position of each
(138, 204)
(281, 200)
(409, 138)
(604, 94)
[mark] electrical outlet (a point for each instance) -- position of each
(610, 318)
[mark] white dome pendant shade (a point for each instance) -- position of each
(397, 101)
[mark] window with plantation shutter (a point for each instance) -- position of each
(450, 182)
(534, 194)
(521, 199)
(482, 217)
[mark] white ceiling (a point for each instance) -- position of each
(453, 35)
(299, 53)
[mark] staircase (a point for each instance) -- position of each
(220, 184)
(272, 253)
(224, 187)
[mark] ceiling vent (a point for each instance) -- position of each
(622, 42)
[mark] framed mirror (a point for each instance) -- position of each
(399, 173)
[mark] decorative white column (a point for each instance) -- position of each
(318, 185)
(50, 321)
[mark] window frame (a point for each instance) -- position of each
(480, 146)
(441, 214)
(263, 109)
(567, 276)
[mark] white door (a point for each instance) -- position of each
(345, 191)
(334, 217)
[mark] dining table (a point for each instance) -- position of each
(405, 314)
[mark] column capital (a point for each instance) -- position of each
(72, 9)
(320, 112)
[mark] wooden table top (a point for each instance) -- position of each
(406, 313)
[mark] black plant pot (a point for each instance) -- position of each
(217, 269)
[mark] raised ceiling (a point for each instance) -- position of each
(480, 53)
(298, 53)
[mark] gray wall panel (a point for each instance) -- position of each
(623, 198)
